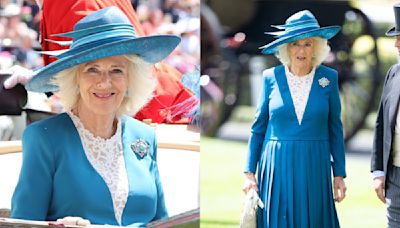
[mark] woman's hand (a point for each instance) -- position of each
(379, 186)
(250, 183)
(339, 189)
(74, 221)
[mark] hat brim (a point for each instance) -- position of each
(392, 32)
(324, 32)
(151, 49)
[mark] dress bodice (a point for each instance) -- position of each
(283, 122)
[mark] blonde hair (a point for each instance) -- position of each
(141, 85)
(321, 51)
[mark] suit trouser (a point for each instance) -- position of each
(393, 196)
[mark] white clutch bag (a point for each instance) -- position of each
(249, 214)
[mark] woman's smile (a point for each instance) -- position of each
(103, 95)
(301, 58)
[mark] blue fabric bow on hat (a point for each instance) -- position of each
(101, 34)
(300, 25)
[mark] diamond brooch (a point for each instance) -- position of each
(140, 147)
(324, 82)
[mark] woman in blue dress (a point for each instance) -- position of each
(93, 163)
(297, 136)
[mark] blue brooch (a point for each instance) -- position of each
(323, 82)
(140, 147)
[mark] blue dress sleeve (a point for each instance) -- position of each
(336, 139)
(258, 129)
(32, 195)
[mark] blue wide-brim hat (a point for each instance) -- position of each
(101, 34)
(299, 26)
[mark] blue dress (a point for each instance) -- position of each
(57, 179)
(295, 161)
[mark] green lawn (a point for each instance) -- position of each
(221, 182)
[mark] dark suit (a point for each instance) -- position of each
(383, 140)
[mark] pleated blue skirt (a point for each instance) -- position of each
(295, 184)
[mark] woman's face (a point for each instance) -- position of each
(301, 52)
(102, 85)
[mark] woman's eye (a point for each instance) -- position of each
(116, 71)
(92, 70)
(308, 44)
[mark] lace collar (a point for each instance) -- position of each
(78, 123)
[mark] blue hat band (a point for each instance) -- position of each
(103, 36)
(96, 43)
(297, 31)
(303, 25)
(88, 31)
(296, 24)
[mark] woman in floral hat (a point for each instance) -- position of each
(93, 162)
(297, 136)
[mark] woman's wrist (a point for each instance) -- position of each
(249, 175)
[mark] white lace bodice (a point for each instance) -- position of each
(299, 87)
(106, 157)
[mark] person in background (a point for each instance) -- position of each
(17, 38)
(92, 163)
(385, 160)
(297, 136)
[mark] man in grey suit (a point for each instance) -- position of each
(385, 160)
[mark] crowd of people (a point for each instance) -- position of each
(19, 39)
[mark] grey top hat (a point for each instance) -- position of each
(395, 31)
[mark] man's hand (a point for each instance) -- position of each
(379, 186)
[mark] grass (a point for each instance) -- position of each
(361, 208)
(221, 182)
